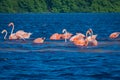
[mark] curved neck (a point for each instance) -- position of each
(12, 29)
(88, 32)
(65, 32)
(91, 31)
(5, 34)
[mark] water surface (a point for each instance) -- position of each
(57, 60)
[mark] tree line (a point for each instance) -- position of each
(59, 6)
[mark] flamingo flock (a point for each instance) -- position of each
(89, 39)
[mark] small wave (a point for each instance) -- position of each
(59, 50)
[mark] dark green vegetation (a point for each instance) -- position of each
(38, 6)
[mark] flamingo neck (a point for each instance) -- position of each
(12, 29)
(91, 32)
(88, 32)
(65, 32)
(5, 35)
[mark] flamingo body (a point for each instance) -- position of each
(93, 43)
(80, 42)
(77, 37)
(23, 34)
(66, 35)
(56, 36)
(114, 35)
(39, 40)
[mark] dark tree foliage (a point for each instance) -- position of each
(58, 6)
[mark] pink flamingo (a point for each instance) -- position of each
(56, 36)
(66, 35)
(77, 37)
(13, 35)
(19, 34)
(5, 31)
(114, 35)
(90, 32)
(39, 40)
(91, 40)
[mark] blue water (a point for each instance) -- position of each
(57, 60)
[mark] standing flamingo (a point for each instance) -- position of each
(13, 35)
(5, 33)
(66, 35)
(56, 36)
(114, 35)
(19, 34)
(89, 40)
(39, 40)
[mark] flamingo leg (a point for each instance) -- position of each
(22, 37)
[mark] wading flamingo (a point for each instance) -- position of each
(5, 31)
(77, 37)
(114, 35)
(12, 35)
(39, 40)
(90, 32)
(19, 34)
(66, 35)
(56, 36)
(91, 40)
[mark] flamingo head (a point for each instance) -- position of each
(64, 30)
(88, 33)
(3, 31)
(43, 38)
(11, 24)
(90, 29)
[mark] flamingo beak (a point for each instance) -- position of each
(2, 32)
(11, 24)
